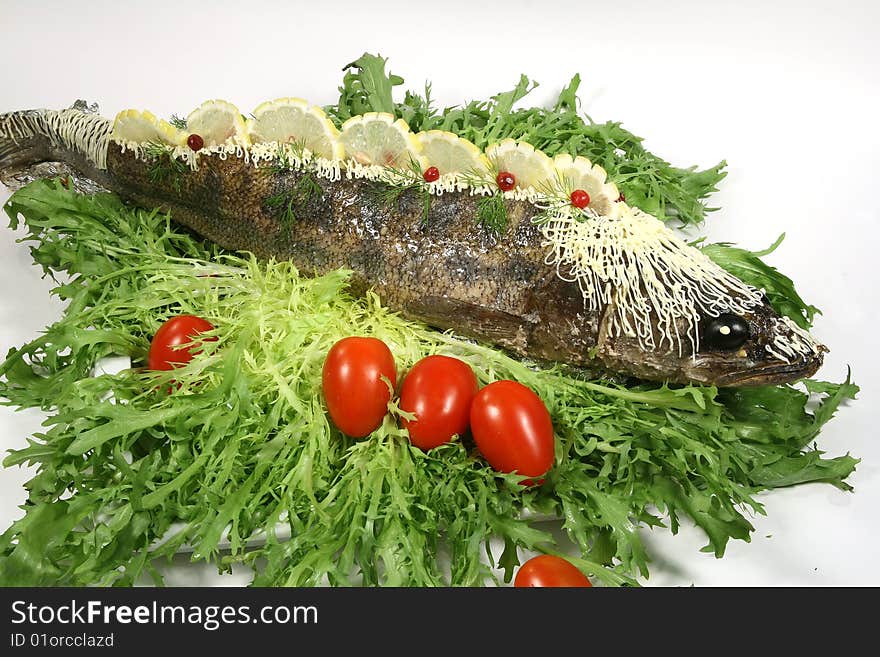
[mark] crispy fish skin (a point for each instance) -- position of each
(448, 271)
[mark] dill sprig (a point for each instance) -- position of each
(558, 191)
(387, 194)
(492, 213)
(282, 161)
(396, 181)
(290, 156)
(178, 122)
(491, 208)
(288, 201)
(164, 168)
(558, 187)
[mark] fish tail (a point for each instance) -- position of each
(21, 143)
(32, 136)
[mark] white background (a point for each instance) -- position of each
(787, 92)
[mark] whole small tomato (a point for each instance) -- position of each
(546, 571)
(512, 429)
(357, 396)
(438, 390)
(165, 348)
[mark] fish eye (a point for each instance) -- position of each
(725, 332)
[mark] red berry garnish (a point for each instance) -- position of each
(431, 174)
(621, 198)
(506, 181)
(580, 199)
(195, 142)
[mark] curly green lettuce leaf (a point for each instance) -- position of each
(750, 268)
(241, 463)
(646, 180)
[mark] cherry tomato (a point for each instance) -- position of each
(580, 199)
(439, 391)
(512, 429)
(506, 181)
(195, 142)
(165, 352)
(356, 395)
(547, 570)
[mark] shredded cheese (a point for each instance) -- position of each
(84, 133)
(645, 275)
(790, 341)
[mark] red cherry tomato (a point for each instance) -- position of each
(195, 142)
(512, 429)
(547, 570)
(506, 181)
(165, 352)
(439, 391)
(431, 174)
(580, 199)
(356, 395)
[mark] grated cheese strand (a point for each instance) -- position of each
(84, 133)
(647, 275)
(799, 345)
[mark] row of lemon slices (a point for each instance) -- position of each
(373, 139)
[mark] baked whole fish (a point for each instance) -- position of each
(603, 286)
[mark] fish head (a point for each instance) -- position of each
(756, 347)
(668, 312)
(751, 347)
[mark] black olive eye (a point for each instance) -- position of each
(726, 332)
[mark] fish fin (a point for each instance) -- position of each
(471, 319)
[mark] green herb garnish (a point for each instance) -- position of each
(243, 447)
(178, 122)
(492, 213)
(287, 157)
(164, 168)
(388, 195)
(288, 201)
(399, 180)
(647, 181)
(749, 268)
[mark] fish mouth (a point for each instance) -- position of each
(773, 373)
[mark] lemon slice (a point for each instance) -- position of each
(530, 167)
(580, 173)
(451, 153)
(143, 127)
(218, 123)
(293, 120)
(376, 138)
